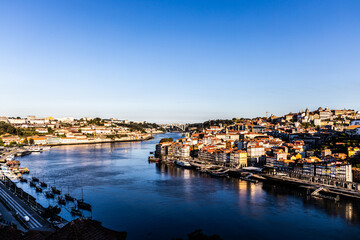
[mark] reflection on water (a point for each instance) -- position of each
(348, 210)
(157, 201)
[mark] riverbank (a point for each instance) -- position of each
(102, 141)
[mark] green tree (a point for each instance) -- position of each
(166, 140)
(11, 144)
(1, 142)
(31, 141)
(26, 142)
(96, 121)
(50, 130)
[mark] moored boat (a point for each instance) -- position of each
(55, 190)
(183, 164)
(43, 183)
(10, 158)
(75, 212)
(61, 200)
(35, 149)
(45, 148)
(23, 179)
(153, 159)
(49, 194)
(219, 173)
(69, 198)
(249, 179)
(38, 189)
(203, 170)
(83, 205)
(23, 153)
(35, 179)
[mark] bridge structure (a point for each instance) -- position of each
(175, 127)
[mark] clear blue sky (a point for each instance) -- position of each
(178, 61)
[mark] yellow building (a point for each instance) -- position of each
(239, 157)
(353, 151)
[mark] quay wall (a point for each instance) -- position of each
(304, 184)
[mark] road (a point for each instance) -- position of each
(12, 152)
(35, 222)
(9, 218)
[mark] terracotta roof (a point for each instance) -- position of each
(86, 229)
(10, 233)
(79, 229)
(353, 127)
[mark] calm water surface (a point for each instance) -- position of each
(152, 201)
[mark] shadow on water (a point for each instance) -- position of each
(348, 210)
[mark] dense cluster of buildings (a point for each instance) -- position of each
(282, 144)
(51, 131)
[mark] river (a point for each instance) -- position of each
(152, 201)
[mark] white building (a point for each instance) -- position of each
(66, 119)
(103, 131)
(4, 119)
(87, 130)
(41, 130)
(256, 154)
(16, 120)
(317, 122)
(68, 140)
(37, 121)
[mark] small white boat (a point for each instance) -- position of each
(46, 148)
(36, 149)
(153, 159)
(183, 164)
(10, 158)
(5, 171)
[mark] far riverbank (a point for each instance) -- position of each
(104, 141)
